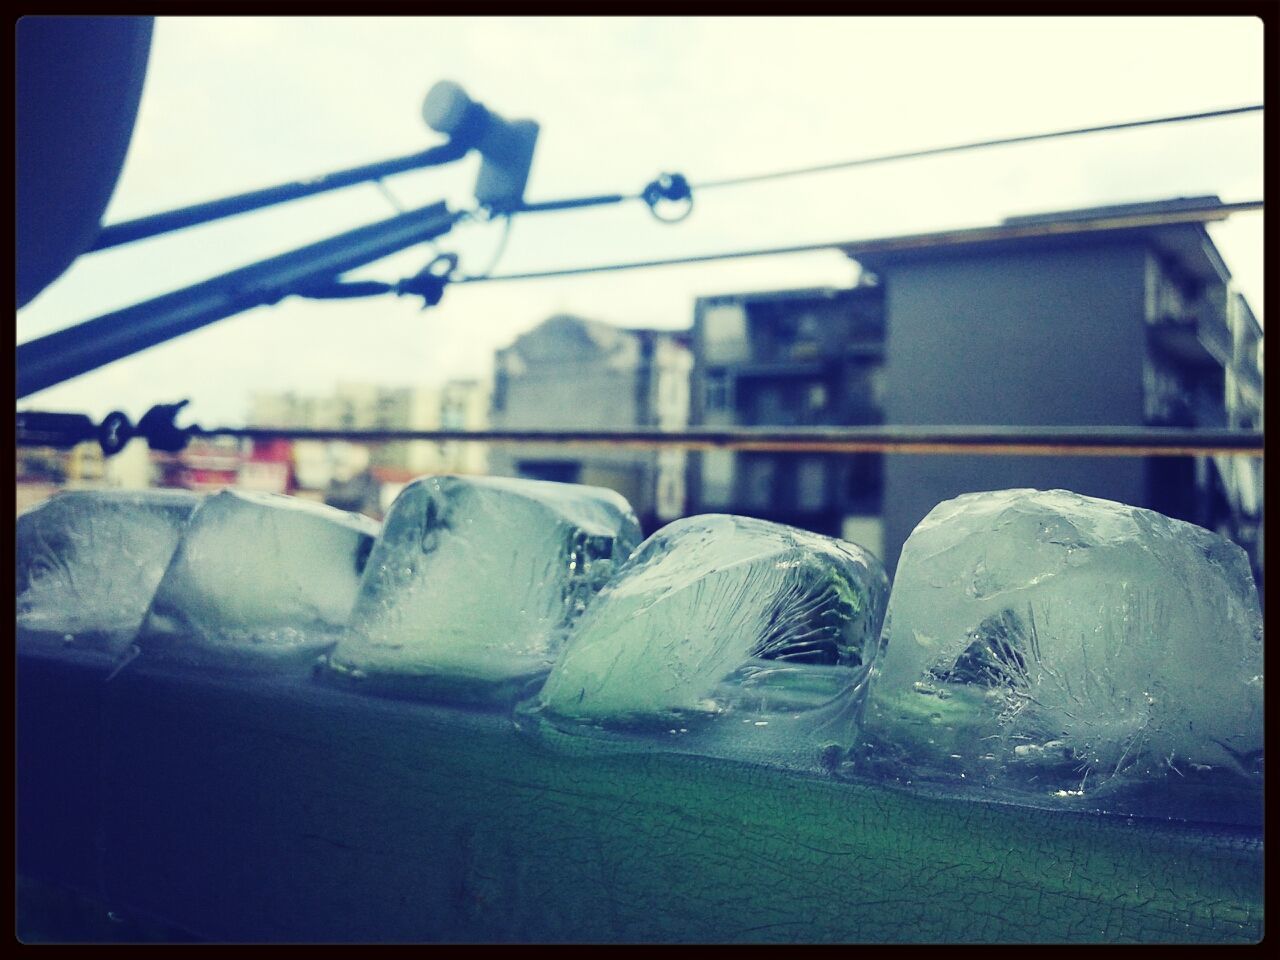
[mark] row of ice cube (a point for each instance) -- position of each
(1036, 642)
(235, 578)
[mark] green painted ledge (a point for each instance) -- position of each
(288, 811)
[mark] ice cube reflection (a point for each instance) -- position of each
(258, 581)
(474, 581)
(88, 563)
(1065, 649)
(732, 635)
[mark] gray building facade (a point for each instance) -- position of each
(790, 358)
(573, 373)
(1085, 318)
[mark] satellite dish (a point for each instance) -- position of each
(79, 80)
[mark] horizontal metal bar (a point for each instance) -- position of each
(981, 440)
(128, 231)
(1208, 213)
(62, 430)
(94, 343)
(573, 203)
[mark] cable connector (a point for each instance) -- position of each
(65, 430)
(158, 427)
(673, 188)
(429, 282)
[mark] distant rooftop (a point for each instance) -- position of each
(603, 336)
(1174, 227)
(1174, 205)
(800, 293)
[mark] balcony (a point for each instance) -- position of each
(1194, 340)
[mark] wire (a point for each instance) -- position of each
(388, 195)
(497, 253)
(571, 203)
(851, 247)
(671, 187)
(910, 439)
(975, 145)
(643, 264)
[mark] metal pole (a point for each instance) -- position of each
(128, 231)
(94, 343)
(983, 440)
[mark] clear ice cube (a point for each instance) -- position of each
(474, 582)
(724, 635)
(258, 581)
(1079, 651)
(89, 561)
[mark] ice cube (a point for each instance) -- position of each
(258, 581)
(89, 561)
(1052, 645)
(728, 634)
(474, 581)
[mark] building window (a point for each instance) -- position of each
(498, 399)
(811, 483)
(671, 479)
(760, 482)
(865, 531)
(724, 333)
(817, 397)
(560, 471)
(806, 340)
(774, 406)
(865, 388)
(716, 397)
(717, 478)
(452, 417)
(865, 477)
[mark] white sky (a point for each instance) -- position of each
(232, 104)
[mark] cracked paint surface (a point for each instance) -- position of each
(278, 810)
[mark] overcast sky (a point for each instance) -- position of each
(233, 104)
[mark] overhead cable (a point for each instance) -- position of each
(974, 145)
(497, 253)
(852, 248)
(678, 188)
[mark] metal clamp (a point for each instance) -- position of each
(671, 187)
(66, 430)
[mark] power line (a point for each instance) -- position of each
(78, 349)
(642, 264)
(570, 203)
(852, 248)
(496, 256)
(975, 145)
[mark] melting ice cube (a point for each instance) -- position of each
(1070, 647)
(761, 631)
(89, 561)
(474, 581)
(258, 579)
